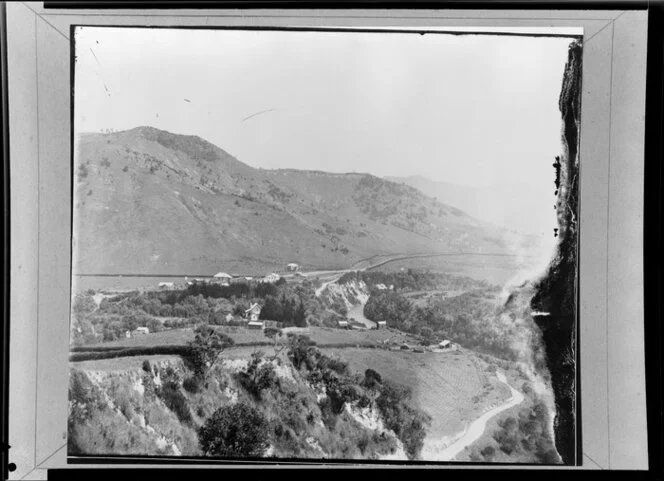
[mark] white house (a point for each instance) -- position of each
(271, 277)
(381, 324)
(141, 330)
(253, 312)
(256, 324)
(445, 344)
(166, 285)
(342, 323)
(293, 266)
(222, 278)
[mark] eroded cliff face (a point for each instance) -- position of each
(556, 293)
(349, 294)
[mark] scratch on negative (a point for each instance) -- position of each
(93, 54)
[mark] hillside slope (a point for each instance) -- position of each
(515, 206)
(152, 202)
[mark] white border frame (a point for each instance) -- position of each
(611, 347)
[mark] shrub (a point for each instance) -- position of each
(146, 366)
(170, 394)
(192, 384)
(258, 376)
(239, 430)
(488, 453)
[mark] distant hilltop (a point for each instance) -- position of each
(151, 201)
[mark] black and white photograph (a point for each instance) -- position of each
(325, 244)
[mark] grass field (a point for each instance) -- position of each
(242, 335)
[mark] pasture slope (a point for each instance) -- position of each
(454, 388)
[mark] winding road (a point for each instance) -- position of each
(443, 451)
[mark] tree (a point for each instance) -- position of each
(273, 334)
(372, 378)
(271, 309)
(427, 335)
(239, 430)
(300, 350)
(300, 316)
(206, 347)
(83, 304)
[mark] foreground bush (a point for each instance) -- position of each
(239, 430)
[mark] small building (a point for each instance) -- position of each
(253, 312)
(272, 277)
(141, 330)
(446, 344)
(381, 287)
(272, 324)
(256, 324)
(167, 285)
(293, 267)
(222, 278)
(342, 323)
(381, 324)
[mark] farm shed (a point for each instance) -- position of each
(293, 266)
(141, 330)
(256, 325)
(381, 324)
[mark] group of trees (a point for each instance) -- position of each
(197, 304)
(284, 310)
(469, 319)
(414, 280)
(240, 290)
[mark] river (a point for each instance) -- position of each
(357, 313)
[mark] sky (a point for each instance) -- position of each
(472, 110)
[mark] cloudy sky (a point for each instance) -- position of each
(471, 110)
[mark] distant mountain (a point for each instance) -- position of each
(150, 201)
(515, 206)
